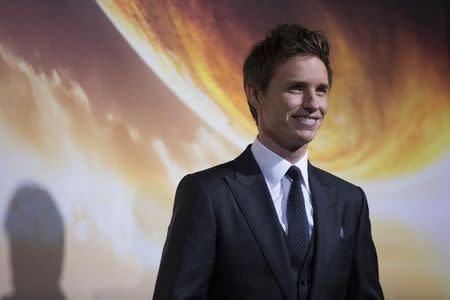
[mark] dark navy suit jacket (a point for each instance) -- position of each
(224, 241)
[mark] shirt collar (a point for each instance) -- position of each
(274, 167)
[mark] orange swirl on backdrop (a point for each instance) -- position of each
(389, 116)
(385, 119)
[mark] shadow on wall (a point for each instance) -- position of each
(35, 230)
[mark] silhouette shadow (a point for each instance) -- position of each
(35, 230)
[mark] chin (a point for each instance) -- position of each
(297, 142)
(305, 137)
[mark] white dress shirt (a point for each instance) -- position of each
(274, 169)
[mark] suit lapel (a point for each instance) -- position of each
(254, 200)
(326, 223)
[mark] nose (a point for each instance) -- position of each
(310, 101)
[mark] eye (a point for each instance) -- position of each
(322, 91)
(297, 88)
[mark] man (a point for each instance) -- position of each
(269, 225)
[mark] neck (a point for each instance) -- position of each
(291, 155)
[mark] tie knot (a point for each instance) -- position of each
(294, 173)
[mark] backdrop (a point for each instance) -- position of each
(105, 105)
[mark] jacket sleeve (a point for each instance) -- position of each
(364, 279)
(188, 255)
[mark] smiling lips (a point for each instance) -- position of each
(306, 121)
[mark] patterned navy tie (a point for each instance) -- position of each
(298, 227)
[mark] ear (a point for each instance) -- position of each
(254, 95)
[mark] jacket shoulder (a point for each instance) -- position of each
(332, 179)
(345, 192)
(214, 174)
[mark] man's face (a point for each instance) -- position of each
(294, 104)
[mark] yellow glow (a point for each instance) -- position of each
(394, 123)
(172, 71)
(377, 126)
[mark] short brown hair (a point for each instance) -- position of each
(280, 44)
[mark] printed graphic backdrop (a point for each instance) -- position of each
(105, 105)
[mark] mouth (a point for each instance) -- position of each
(306, 121)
